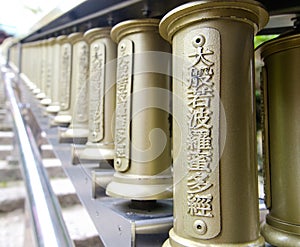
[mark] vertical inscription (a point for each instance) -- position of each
(265, 137)
(123, 110)
(43, 68)
(81, 107)
(202, 69)
(65, 77)
(49, 71)
(97, 64)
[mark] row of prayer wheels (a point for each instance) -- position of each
(170, 103)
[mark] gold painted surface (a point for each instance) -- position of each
(201, 113)
(102, 95)
(65, 75)
(281, 86)
(123, 105)
(223, 32)
(142, 137)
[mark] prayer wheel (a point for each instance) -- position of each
(281, 87)
(78, 128)
(102, 99)
(53, 108)
(64, 115)
(142, 134)
(214, 134)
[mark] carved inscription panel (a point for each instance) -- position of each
(81, 106)
(65, 76)
(96, 111)
(123, 109)
(201, 79)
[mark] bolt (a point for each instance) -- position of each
(122, 46)
(118, 163)
(200, 227)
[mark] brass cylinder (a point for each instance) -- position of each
(102, 99)
(38, 75)
(49, 72)
(43, 73)
(34, 70)
(214, 139)
(78, 128)
(64, 115)
(54, 107)
(281, 88)
(142, 134)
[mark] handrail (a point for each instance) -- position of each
(49, 226)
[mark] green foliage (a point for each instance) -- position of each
(258, 40)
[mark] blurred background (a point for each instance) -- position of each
(17, 17)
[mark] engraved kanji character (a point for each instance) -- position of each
(197, 182)
(121, 109)
(204, 139)
(200, 118)
(122, 92)
(198, 100)
(200, 77)
(199, 161)
(205, 158)
(200, 205)
(201, 54)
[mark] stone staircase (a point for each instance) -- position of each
(15, 229)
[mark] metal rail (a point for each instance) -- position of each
(48, 223)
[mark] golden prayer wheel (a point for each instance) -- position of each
(214, 134)
(64, 115)
(102, 99)
(77, 131)
(43, 75)
(142, 135)
(27, 49)
(33, 70)
(54, 107)
(38, 76)
(49, 72)
(281, 87)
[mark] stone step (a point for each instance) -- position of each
(6, 137)
(81, 227)
(13, 220)
(10, 170)
(12, 195)
(14, 227)
(5, 150)
(5, 126)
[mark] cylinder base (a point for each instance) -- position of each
(53, 109)
(72, 135)
(40, 96)
(36, 90)
(97, 151)
(278, 237)
(62, 119)
(46, 102)
(177, 241)
(138, 187)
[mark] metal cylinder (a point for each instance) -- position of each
(102, 95)
(142, 134)
(54, 107)
(43, 75)
(49, 72)
(37, 52)
(78, 128)
(64, 115)
(214, 139)
(281, 88)
(33, 66)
